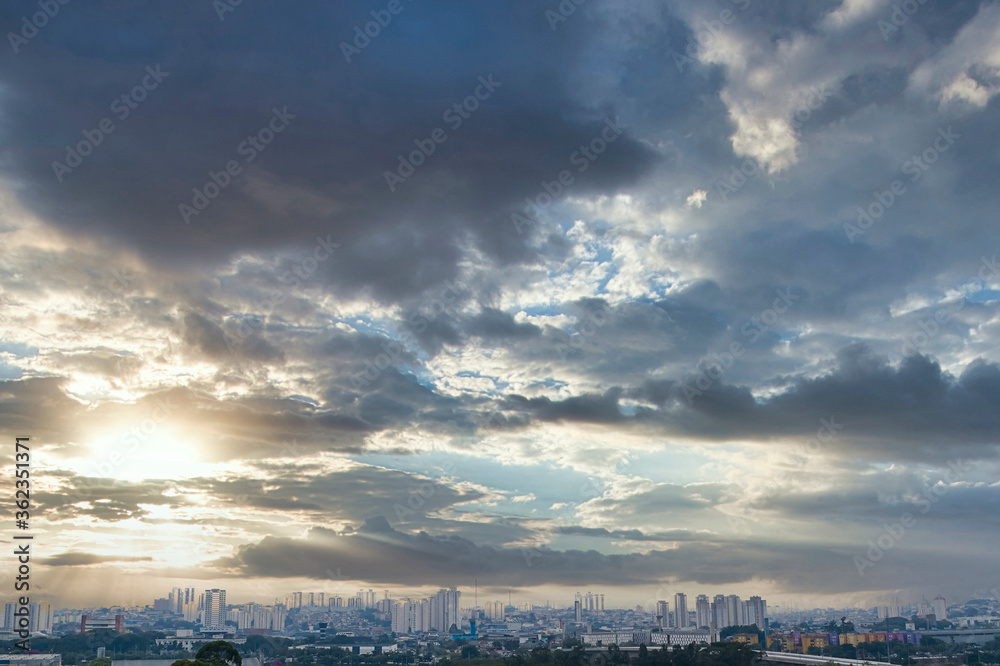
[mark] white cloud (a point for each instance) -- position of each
(696, 199)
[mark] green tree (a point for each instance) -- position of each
(100, 661)
(222, 651)
(541, 655)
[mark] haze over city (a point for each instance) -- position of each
(531, 298)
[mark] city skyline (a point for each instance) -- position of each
(650, 298)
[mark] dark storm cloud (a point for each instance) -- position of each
(323, 174)
(37, 407)
(586, 408)
(380, 554)
(914, 408)
(631, 535)
(209, 338)
(76, 558)
(103, 499)
(353, 494)
(494, 324)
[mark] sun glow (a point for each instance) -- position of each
(146, 450)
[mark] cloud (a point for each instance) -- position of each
(75, 559)
(696, 199)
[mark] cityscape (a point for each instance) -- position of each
(368, 622)
(500, 332)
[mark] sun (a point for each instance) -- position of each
(139, 451)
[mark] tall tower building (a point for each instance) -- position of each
(40, 617)
(756, 611)
(940, 608)
(719, 612)
(662, 614)
(680, 611)
(733, 610)
(578, 607)
(703, 611)
(214, 617)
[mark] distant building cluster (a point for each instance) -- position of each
(260, 619)
(803, 641)
(40, 617)
(723, 611)
(938, 607)
(437, 613)
(364, 599)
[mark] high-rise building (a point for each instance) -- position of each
(703, 611)
(321, 599)
(892, 609)
(191, 611)
(255, 616)
(939, 607)
(40, 617)
(176, 600)
(403, 619)
(214, 617)
(9, 619)
(494, 610)
(601, 603)
(662, 614)
(719, 612)
(680, 611)
(439, 613)
(755, 610)
(578, 608)
(734, 608)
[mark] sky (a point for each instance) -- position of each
(629, 296)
